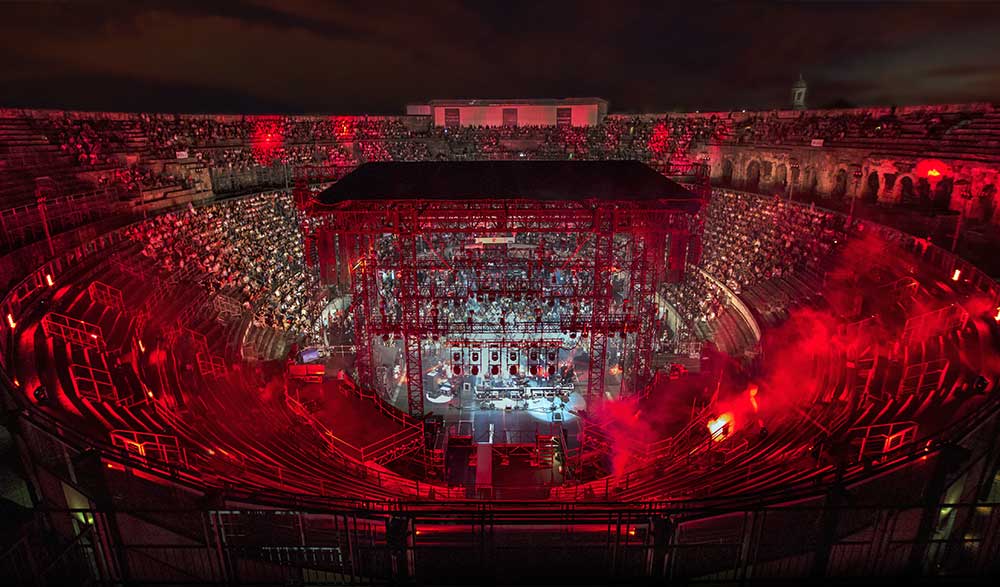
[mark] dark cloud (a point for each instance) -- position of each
(365, 56)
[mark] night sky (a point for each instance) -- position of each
(351, 57)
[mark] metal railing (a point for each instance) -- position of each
(669, 542)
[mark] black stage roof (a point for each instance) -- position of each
(531, 180)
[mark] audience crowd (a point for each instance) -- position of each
(89, 141)
(134, 180)
(249, 249)
(770, 129)
(697, 302)
(247, 141)
(749, 238)
(252, 248)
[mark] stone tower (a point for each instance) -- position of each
(799, 94)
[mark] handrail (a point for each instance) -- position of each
(55, 202)
(741, 308)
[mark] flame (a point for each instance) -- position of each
(718, 427)
(956, 275)
(997, 316)
(10, 321)
(49, 280)
(752, 390)
(932, 169)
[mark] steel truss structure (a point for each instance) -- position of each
(631, 240)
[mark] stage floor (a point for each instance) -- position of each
(509, 422)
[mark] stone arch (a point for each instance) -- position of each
(871, 188)
(752, 183)
(988, 201)
(924, 192)
(889, 183)
(942, 193)
(726, 178)
(811, 183)
(780, 177)
(839, 185)
(907, 193)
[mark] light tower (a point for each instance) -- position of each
(799, 94)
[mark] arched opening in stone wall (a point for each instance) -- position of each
(988, 202)
(907, 195)
(890, 183)
(942, 193)
(924, 192)
(727, 173)
(780, 178)
(871, 188)
(839, 185)
(811, 183)
(752, 183)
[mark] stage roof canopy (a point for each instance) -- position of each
(531, 180)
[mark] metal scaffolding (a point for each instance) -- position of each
(379, 240)
(404, 232)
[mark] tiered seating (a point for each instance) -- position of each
(698, 301)
(768, 251)
(781, 462)
(173, 357)
(771, 299)
(749, 238)
(217, 421)
(915, 132)
(977, 139)
(250, 248)
(24, 149)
